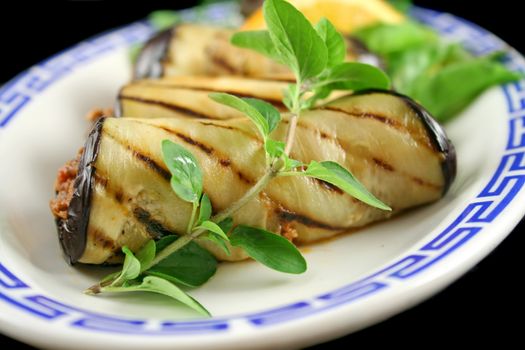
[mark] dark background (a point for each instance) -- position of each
(483, 307)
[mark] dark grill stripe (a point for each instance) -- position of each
(361, 114)
(173, 107)
(150, 163)
(274, 101)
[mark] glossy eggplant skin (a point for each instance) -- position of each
(379, 136)
(192, 49)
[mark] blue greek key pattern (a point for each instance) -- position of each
(506, 182)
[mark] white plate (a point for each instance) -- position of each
(352, 282)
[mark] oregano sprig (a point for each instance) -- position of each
(316, 57)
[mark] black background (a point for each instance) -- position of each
(484, 307)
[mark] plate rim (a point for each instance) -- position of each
(265, 322)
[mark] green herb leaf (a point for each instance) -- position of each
(218, 241)
(269, 249)
(190, 265)
(226, 225)
(204, 209)
(449, 90)
(147, 253)
(294, 38)
(334, 41)
(401, 5)
(130, 268)
(213, 227)
(186, 178)
(354, 76)
(216, 233)
(290, 163)
(289, 96)
(335, 174)
(274, 148)
(161, 286)
(258, 41)
(163, 19)
(386, 39)
(245, 107)
(267, 110)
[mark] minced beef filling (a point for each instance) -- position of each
(64, 187)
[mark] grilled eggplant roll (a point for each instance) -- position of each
(121, 193)
(193, 49)
(187, 96)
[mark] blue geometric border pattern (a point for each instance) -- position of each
(506, 182)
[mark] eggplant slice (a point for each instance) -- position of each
(195, 49)
(122, 195)
(186, 96)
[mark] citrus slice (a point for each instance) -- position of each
(346, 15)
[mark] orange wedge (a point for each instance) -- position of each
(346, 15)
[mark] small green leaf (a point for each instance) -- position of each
(163, 19)
(386, 39)
(274, 148)
(289, 96)
(267, 110)
(130, 268)
(401, 5)
(290, 163)
(186, 173)
(213, 227)
(159, 285)
(191, 265)
(294, 38)
(218, 241)
(258, 41)
(147, 253)
(354, 76)
(204, 209)
(243, 106)
(269, 249)
(334, 41)
(448, 91)
(335, 174)
(226, 224)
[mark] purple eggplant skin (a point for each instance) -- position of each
(153, 55)
(149, 63)
(72, 232)
(436, 133)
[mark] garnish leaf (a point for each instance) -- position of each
(147, 253)
(448, 91)
(226, 225)
(355, 76)
(290, 163)
(245, 107)
(130, 268)
(294, 38)
(267, 110)
(191, 265)
(274, 148)
(204, 209)
(258, 41)
(269, 249)
(159, 285)
(163, 19)
(186, 178)
(334, 41)
(213, 227)
(336, 175)
(218, 241)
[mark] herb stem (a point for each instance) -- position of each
(183, 240)
(290, 133)
(192, 218)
